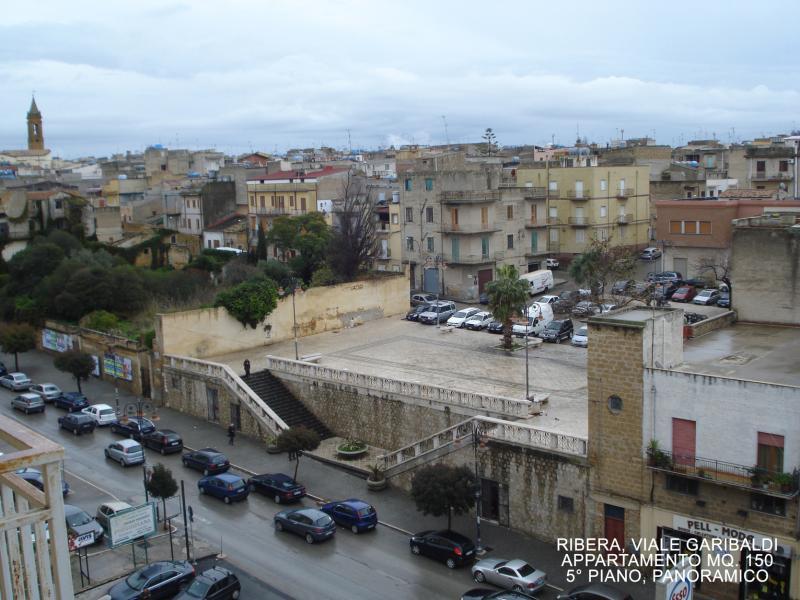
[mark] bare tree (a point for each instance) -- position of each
(720, 266)
(353, 243)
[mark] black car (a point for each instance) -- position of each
(664, 290)
(208, 460)
(133, 427)
(280, 487)
(3, 369)
(162, 579)
(621, 288)
(72, 401)
(665, 276)
(484, 594)
(447, 546)
(34, 477)
(696, 282)
(724, 300)
(414, 313)
(585, 308)
(568, 299)
(165, 441)
(310, 523)
(556, 331)
(215, 584)
(595, 591)
(495, 327)
(77, 423)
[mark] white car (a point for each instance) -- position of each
(107, 510)
(548, 299)
(551, 263)
(479, 321)
(707, 297)
(650, 253)
(103, 414)
(16, 381)
(581, 337)
(46, 391)
(459, 318)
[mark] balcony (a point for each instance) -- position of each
(716, 173)
(473, 259)
(553, 246)
(771, 176)
(508, 182)
(579, 221)
(553, 221)
(382, 228)
(483, 197)
(275, 210)
(625, 192)
(468, 228)
(534, 223)
(534, 193)
(584, 194)
(762, 481)
(624, 219)
(530, 252)
(384, 255)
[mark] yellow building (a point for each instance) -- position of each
(585, 203)
(389, 234)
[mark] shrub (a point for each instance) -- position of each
(250, 302)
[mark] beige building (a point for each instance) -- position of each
(389, 233)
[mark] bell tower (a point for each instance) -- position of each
(35, 132)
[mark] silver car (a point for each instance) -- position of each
(107, 510)
(15, 381)
(28, 403)
(80, 523)
(125, 452)
(514, 575)
(48, 391)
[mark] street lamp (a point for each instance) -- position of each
(527, 367)
(294, 318)
(476, 490)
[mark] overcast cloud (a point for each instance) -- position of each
(274, 74)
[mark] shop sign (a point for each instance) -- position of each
(726, 532)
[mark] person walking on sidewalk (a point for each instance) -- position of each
(231, 433)
(246, 368)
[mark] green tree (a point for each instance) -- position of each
(162, 485)
(78, 364)
(490, 141)
(28, 267)
(507, 294)
(16, 338)
(277, 271)
(249, 302)
(601, 264)
(307, 235)
(295, 441)
(261, 247)
(443, 489)
(323, 276)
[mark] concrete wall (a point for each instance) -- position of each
(212, 331)
(765, 265)
(729, 414)
(712, 324)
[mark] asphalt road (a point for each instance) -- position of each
(373, 565)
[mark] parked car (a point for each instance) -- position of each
(107, 510)
(225, 485)
(478, 321)
(607, 308)
(641, 290)
(47, 391)
(581, 337)
(103, 414)
(17, 382)
(483, 298)
(310, 523)
(217, 583)
(125, 452)
(585, 308)
(414, 313)
(684, 293)
(417, 299)
(495, 326)
(706, 297)
(556, 331)
(209, 461)
(72, 401)
(34, 477)
(162, 579)
(536, 318)
(28, 403)
(665, 290)
(77, 423)
(438, 312)
(514, 575)
(547, 299)
(3, 369)
(552, 263)
(620, 288)
(79, 523)
(538, 281)
(663, 276)
(460, 317)
(166, 441)
(354, 514)
(133, 427)
(568, 299)
(447, 546)
(697, 282)
(484, 594)
(724, 300)
(650, 254)
(594, 591)
(281, 487)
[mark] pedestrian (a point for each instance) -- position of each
(231, 433)
(246, 368)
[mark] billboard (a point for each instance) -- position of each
(131, 524)
(118, 366)
(53, 340)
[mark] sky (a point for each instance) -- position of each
(271, 75)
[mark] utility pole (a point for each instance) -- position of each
(294, 318)
(477, 492)
(446, 135)
(185, 521)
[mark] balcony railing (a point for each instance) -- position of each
(584, 194)
(275, 210)
(553, 221)
(534, 193)
(469, 197)
(553, 246)
(579, 221)
(470, 259)
(624, 219)
(508, 182)
(625, 192)
(716, 173)
(763, 481)
(384, 255)
(771, 175)
(467, 228)
(530, 223)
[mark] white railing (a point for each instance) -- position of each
(468, 401)
(440, 439)
(224, 374)
(34, 557)
(528, 435)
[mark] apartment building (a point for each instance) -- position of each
(582, 203)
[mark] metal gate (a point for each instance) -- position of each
(432, 280)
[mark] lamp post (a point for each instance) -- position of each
(476, 491)
(527, 343)
(294, 318)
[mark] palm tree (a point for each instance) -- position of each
(508, 294)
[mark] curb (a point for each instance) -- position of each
(318, 499)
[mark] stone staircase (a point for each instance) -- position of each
(275, 395)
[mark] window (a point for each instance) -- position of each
(484, 247)
(602, 234)
(407, 184)
(303, 203)
(484, 216)
(395, 219)
(783, 166)
(534, 241)
(409, 214)
(603, 211)
(510, 212)
(580, 236)
(262, 201)
(554, 235)
(428, 184)
(429, 214)
(291, 201)
(566, 504)
(409, 243)
(770, 452)
(690, 227)
(621, 185)
(761, 165)
(553, 212)
(58, 204)
(533, 214)
(553, 186)
(603, 185)
(768, 504)
(430, 244)
(253, 200)
(510, 241)
(682, 485)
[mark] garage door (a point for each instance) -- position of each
(681, 265)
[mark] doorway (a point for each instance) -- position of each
(484, 277)
(615, 525)
(494, 502)
(145, 377)
(236, 416)
(431, 281)
(212, 404)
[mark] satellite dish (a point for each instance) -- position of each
(16, 204)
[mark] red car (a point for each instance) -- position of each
(684, 294)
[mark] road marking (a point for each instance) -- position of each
(555, 587)
(71, 474)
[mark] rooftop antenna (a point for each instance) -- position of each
(552, 139)
(622, 134)
(446, 135)
(349, 142)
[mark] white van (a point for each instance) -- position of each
(539, 281)
(539, 315)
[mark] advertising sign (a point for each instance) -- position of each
(705, 528)
(53, 340)
(679, 590)
(96, 370)
(118, 366)
(132, 524)
(74, 542)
